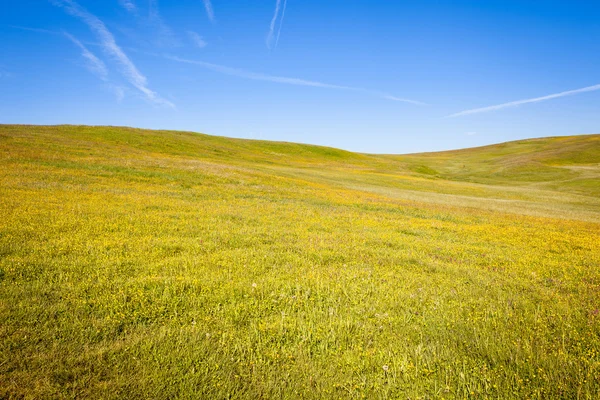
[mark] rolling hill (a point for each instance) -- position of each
(161, 264)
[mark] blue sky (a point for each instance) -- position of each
(365, 75)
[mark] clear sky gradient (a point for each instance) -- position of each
(365, 75)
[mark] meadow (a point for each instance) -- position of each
(144, 264)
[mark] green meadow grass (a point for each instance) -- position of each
(155, 265)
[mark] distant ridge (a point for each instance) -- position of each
(566, 168)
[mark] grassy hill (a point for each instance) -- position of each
(161, 264)
(546, 161)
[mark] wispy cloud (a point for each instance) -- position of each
(98, 68)
(107, 40)
(281, 23)
(4, 73)
(129, 5)
(118, 91)
(166, 37)
(526, 101)
(48, 32)
(240, 73)
(392, 98)
(36, 30)
(94, 64)
(209, 10)
(197, 39)
(271, 35)
(272, 25)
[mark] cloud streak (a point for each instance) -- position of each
(94, 64)
(209, 10)
(526, 101)
(97, 67)
(36, 30)
(281, 23)
(4, 73)
(271, 35)
(240, 73)
(166, 37)
(197, 39)
(129, 5)
(119, 92)
(108, 43)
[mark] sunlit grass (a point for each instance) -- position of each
(141, 264)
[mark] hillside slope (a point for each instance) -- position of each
(573, 159)
(155, 264)
(548, 177)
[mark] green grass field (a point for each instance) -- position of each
(143, 264)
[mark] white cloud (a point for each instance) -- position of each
(284, 80)
(395, 98)
(271, 35)
(98, 68)
(94, 64)
(197, 39)
(166, 37)
(37, 30)
(471, 133)
(526, 101)
(209, 10)
(129, 5)
(107, 40)
(281, 23)
(118, 91)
